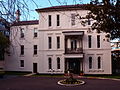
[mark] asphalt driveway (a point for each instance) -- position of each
(50, 83)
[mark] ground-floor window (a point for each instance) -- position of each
(90, 62)
(58, 63)
(49, 63)
(99, 62)
(21, 63)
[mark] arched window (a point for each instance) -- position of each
(58, 63)
(49, 63)
(90, 62)
(99, 62)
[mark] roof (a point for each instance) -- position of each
(64, 7)
(32, 22)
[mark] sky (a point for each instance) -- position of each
(34, 4)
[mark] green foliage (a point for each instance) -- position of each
(107, 16)
(4, 43)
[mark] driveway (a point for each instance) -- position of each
(50, 83)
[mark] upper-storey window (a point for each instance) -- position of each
(22, 49)
(58, 20)
(89, 22)
(73, 44)
(58, 42)
(73, 19)
(89, 41)
(35, 49)
(35, 32)
(22, 33)
(49, 42)
(49, 20)
(98, 41)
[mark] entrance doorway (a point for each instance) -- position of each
(34, 67)
(73, 65)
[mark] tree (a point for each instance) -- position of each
(4, 44)
(107, 16)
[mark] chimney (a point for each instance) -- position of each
(17, 15)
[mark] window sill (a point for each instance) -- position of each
(35, 55)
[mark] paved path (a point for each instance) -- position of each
(50, 83)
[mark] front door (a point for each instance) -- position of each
(74, 65)
(34, 67)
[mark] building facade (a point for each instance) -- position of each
(59, 43)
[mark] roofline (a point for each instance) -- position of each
(64, 8)
(20, 23)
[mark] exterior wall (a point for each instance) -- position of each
(13, 61)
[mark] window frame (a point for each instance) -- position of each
(49, 42)
(89, 41)
(22, 49)
(90, 63)
(35, 49)
(58, 42)
(49, 63)
(49, 20)
(58, 20)
(98, 41)
(58, 63)
(22, 33)
(35, 33)
(22, 63)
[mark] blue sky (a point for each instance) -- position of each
(32, 5)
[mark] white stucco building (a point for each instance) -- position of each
(58, 42)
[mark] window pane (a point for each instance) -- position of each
(89, 41)
(49, 63)
(58, 42)
(58, 63)
(21, 63)
(90, 62)
(58, 20)
(35, 32)
(99, 62)
(49, 20)
(98, 41)
(35, 49)
(72, 19)
(22, 32)
(22, 49)
(49, 42)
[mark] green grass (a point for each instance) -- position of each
(47, 75)
(106, 76)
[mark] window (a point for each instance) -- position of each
(99, 62)
(58, 63)
(89, 22)
(98, 41)
(73, 44)
(89, 41)
(22, 49)
(49, 42)
(35, 49)
(58, 20)
(90, 62)
(21, 63)
(49, 63)
(58, 42)
(72, 19)
(35, 32)
(22, 32)
(49, 20)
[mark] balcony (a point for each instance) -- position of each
(73, 51)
